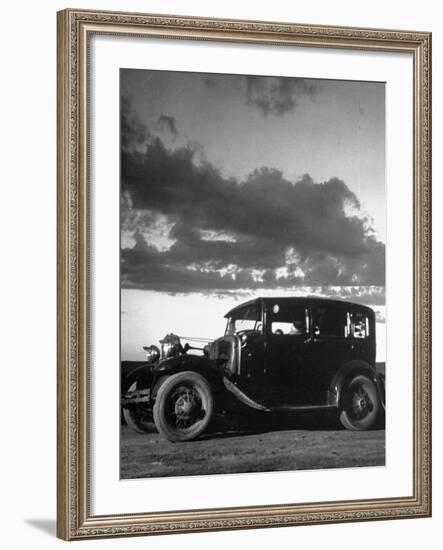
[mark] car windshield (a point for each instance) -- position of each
(246, 318)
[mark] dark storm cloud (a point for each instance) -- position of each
(272, 95)
(246, 252)
(167, 122)
(227, 234)
(277, 95)
(132, 131)
(266, 206)
(175, 270)
(150, 269)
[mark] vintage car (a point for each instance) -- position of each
(277, 354)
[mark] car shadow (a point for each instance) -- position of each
(226, 426)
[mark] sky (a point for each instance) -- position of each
(234, 186)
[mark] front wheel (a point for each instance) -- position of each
(183, 407)
(361, 404)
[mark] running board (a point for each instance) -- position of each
(242, 396)
(251, 403)
(304, 407)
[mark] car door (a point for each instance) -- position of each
(326, 350)
(287, 330)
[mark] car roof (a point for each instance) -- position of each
(301, 299)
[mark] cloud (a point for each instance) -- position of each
(380, 317)
(271, 95)
(132, 131)
(166, 122)
(224, 234)
(277, 95)
(366, 295)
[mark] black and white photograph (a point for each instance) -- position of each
(252, 273)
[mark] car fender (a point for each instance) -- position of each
(142, 374)
(196, 363)
(351, 369)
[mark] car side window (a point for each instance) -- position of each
(287, 320)
(358, 325)
(330, 321)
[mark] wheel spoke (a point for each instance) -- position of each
(184, 407)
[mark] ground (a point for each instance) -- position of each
(256, 444)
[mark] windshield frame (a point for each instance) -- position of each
(244, 314)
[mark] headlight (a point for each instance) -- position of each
(152, 354)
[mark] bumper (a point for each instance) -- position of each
(135, 397)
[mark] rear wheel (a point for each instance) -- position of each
(361, 404)
(183, 407)
(139, 417)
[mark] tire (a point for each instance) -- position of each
(139, 417)
(184, 406)
(361, 404)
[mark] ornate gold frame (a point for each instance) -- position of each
(73, 513)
